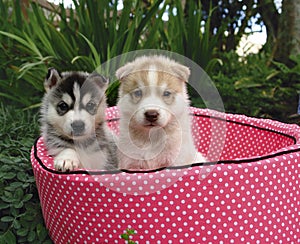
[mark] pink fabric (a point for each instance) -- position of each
(251, 195)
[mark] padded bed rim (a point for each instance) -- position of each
(238, 161)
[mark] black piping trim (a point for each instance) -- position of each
(233, 122)
(252, 126)
(222, 162)
(226, 162)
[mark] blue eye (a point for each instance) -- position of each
(91, 107)
(167, 94)
(138, 93)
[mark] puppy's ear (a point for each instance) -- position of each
(181, 71)
(53, 78)
(125, 70)
(98, 79)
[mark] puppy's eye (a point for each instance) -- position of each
(138, 93)
(167, 94)
(91, 106)
(63, 107)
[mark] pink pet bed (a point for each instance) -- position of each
(250, 194)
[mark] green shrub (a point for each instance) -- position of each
(253, 87)
(82, 40)
(89, 35)
(187, 32)
(21, 217)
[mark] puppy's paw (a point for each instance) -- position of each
(67, 160)
(199, 158)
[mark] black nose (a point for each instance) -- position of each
(77, 127)
(151, 115)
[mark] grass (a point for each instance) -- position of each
(21, 217)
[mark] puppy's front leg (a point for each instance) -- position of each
(199, 158)
(66, 160)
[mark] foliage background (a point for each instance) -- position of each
(34, 38)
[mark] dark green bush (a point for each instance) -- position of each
(21, 217)
(91, 34)
(255, 87)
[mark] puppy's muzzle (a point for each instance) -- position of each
(151, 115)
(78, 127)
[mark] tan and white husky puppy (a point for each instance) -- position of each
(155, 124)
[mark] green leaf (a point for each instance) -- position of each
(246, 83)
(4, 205)
(87, 60)
(130, 231)
(8, 194)
(18, 205)
(22, 176)
(27, 42)
(31, 236)
(125, 236)
(16, 224)
(16, 184)
(97, 60)
(9, 237)
(7, 219)
(18, 194)
(41, 232)
(32, 46)
(14, 211)
(22, 232)
(153, 31)
(29, 66)
(27, 197)
(273, 74)
(8, 175)
(28, 217)
(212, 63)
(7, 199)
(15, 37)
(282, 67)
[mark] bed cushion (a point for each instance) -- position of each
(248, 192)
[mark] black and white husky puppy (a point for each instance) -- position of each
(73, 121)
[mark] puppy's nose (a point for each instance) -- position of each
(78, 127)
(151, 115)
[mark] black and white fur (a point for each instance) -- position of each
(73, 121)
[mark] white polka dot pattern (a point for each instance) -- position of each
(252, 196)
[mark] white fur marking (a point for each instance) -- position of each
(67, 98)
(152, 75)
(86, 98)
(76, 91)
